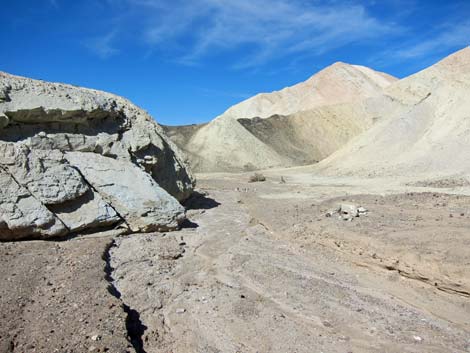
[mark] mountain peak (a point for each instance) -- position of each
(345, 71)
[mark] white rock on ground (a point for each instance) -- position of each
(137, 182)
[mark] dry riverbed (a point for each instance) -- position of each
(260, 268)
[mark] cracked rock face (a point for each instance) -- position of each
(75, 159)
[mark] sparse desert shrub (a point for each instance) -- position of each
(249, 167)
(257, 177)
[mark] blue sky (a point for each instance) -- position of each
(186, 61)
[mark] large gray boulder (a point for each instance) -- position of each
(75, 159)
(133, 193)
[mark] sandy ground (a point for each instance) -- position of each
(54, 297)
(266, 271)
(260, 268)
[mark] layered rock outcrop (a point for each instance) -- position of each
(75, 159)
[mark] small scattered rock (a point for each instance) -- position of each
(96, 338)
(347, 212)
(332, 212)
(362, 210)
(180, 311)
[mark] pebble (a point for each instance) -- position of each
(418, 338)
(95, 337)
(362, 209)
(180, 311)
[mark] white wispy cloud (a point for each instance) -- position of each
(421, 49)
(265, 29)
(103, 46)
(449, 36)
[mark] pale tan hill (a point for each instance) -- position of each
(427, 132)
(298, 125)
(338, 83)
(225, 145)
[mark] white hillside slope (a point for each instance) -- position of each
(338, 83)
(226, 145)
(427, 133)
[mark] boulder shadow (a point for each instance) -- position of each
(188, 224)
(199, 201)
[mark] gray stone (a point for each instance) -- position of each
(133, 193)
(332, 212)
(348, 210)
(47, 175)
(22, 215)
(362, 210)
(79, 119)
(87, 211)
(4, 120)
(4, 90)
(123, 171)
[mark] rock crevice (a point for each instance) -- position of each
(135, 327)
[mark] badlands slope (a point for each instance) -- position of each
(298, 125)
(427, 132)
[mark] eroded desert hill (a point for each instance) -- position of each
(425, 129)
(298, 125)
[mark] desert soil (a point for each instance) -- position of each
(259, 268)
(54, 298)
